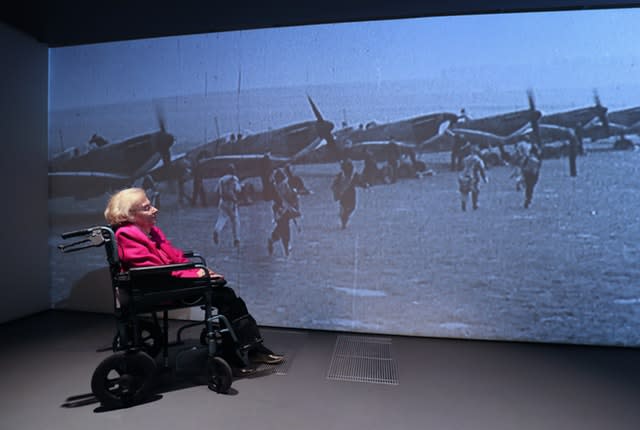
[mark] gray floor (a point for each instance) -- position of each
(329, 381)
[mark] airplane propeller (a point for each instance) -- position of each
(162, 122)
(602, 111)
(324, 127)
(534, 118)
(162, 140)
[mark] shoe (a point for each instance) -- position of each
(241, 372)
(264, 358)
(215, 237)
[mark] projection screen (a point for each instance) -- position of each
(402, 94)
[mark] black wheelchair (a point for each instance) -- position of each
(126, 377)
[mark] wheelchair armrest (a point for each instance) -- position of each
(165, 269)
(195, 256)
(153, 287)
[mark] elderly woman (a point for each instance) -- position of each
(141, 243)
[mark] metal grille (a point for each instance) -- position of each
(363, 359)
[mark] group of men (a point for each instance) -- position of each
(526, 162)
(283, 190)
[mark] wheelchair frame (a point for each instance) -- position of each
(141, 291)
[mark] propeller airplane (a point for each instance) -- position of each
(556, 131)
(383, 140)
(619, 123)
(497, 130)
(254, 153)
(108, 166)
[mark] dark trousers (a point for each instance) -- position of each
(282, 231)
(530, 181)
(234, 309)
(198, 192)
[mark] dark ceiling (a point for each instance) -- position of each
(72, 22)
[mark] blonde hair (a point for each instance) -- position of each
(121, 206)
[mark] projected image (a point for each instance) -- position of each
(462, 177)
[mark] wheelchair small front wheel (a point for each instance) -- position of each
(123, 379)
(219, 375)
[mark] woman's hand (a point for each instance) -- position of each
(216, 276)
(213, 275)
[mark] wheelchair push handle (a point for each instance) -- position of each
(92, 236)
(76, 233)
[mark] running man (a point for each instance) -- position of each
(469, 179)
(228, 190)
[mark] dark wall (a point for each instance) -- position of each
(73, 22)
(23, 173)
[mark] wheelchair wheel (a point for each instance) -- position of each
(123, 379)
(219, 375)
(150, 337)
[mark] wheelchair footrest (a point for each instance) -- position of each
(248, 346)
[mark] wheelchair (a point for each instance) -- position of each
(126, 377)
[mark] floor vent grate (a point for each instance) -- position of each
(363, 359)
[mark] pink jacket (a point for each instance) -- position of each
(136, 249)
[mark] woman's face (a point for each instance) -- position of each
(145, 215)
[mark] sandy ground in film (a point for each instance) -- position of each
(411, 262)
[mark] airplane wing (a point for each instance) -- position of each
(479, 137)
(380, 150)
(247, 166)
(596, 130)
(626, 117)
(175, 169)
(314, 145)
(438, 143)
(84, 185)
(552, 133)
(620, 122)
(634, 129)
